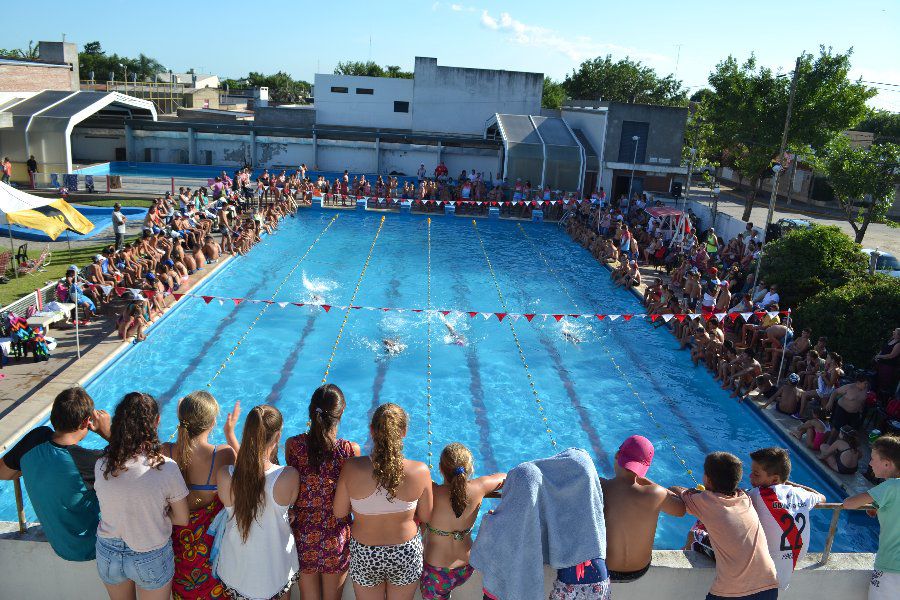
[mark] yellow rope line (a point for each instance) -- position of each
(430, 315)
(350, 304)
(265, 307)
(512, 328)
(612, 359)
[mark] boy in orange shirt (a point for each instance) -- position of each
(744, 569)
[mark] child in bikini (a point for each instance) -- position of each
(449, 532)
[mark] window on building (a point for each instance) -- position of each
(401, 106)
(367, 91)
(339, 90)
(626, 143)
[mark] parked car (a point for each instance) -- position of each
(885, 263)
(782, 227)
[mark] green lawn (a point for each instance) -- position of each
(59, 260)
(140, 202)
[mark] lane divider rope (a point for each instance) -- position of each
(612, 359)
(428, 355)
(512, 328)
(350, 306)
(265, 307)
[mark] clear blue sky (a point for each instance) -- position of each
(231, 38)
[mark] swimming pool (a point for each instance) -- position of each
(179, 171)
(100, 216)
(480, 392)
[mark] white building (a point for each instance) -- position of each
(436, 100)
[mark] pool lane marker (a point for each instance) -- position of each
(350, 306)
(428, 319)
(612, 359)
(265, 307)
(512, 328)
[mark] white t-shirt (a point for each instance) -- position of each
(133, 504)
(769, 298)
(784, 513)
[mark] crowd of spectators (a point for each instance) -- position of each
(740, 332)
(189, 519)
(180, 235)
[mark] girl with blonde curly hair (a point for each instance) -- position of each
(386, 493)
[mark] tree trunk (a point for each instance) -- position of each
(867, 218)
(751, 197)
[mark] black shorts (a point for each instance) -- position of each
(840, 417)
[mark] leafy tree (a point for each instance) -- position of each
(554, 94)
(857, 317)
(92, 59)
(863, 179)
(624, 80)
(749, 104)
(30, 53)
(283, 88)
(884, 124)
(808, 261)
(370, 69)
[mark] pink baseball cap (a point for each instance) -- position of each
(636, 454)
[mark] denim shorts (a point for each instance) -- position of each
(117, 563)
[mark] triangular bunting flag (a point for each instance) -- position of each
(178, 297)
(148, 293)
(486, 316)
(653, 318)
(772, 314)
(355, 307)
(221, 302)
(283, 304)
(600, 317)
(472, 314)
(627, 317)
(444, 312)
(680, 318)
(414, 309)
(326, 307)
(721, 316)
(707, 315)
(207, 299)
(529, 317)
(746, 315)
(515, 316)
(119, 291)
(734, 316)
(694, 316)
(106, 289)
(667, 318)
(575, 316)
(558, 317)
(613, 317)
(237, 301)
(500, 316)
(298, 304)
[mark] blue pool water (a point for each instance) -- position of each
(100, 216)
(137, 169)
(481, 395)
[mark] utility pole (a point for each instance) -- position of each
(777, 168)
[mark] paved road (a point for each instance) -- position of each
(877, 235)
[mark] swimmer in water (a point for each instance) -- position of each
(317, 299)
(457, 338)
(393, 347)
(570, 335)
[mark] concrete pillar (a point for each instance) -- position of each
(253, 149)
(129, 144)
(378, 155)
(315, 159)
(192, 147)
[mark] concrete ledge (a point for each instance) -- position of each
(30, 569)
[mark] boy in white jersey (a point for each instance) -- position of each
(783, 508)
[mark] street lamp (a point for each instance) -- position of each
(776, 169)
(687, 188)
(634, 139)
(715, 192)
(125, 77)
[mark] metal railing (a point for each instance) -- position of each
(837, 507)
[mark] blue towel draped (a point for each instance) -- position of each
(551, 513)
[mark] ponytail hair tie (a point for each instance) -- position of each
(318, 410)
(459, 471)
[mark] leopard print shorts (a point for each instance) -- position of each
(400, 564)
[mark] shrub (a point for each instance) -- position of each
(808, 261)
(857, 317)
